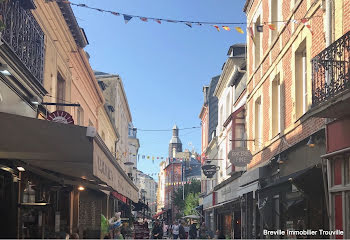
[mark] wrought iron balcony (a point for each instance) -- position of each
(331, 71)
(23, 35)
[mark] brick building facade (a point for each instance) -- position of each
(283, 37)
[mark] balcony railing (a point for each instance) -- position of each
(23, 35)
(331, 71)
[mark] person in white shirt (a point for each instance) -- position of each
(175, 229)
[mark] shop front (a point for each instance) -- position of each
(338, 158)
(293, 197)
(227, 208)
(54, 178)
(249, 184)
(209, 211)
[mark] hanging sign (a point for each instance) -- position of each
(240, 157)
(60, 117)
(209, 170)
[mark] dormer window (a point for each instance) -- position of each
(110, 108)
(102, 85)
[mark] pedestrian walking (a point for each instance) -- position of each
(182, 232)
(157, 231)
(193, 231)
(203, 233)
(175, 230)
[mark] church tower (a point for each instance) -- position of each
(175, 144)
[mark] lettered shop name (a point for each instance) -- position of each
(308, 232)
(104, 169)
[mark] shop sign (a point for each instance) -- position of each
(209, 170)
(228, 192)
(120, 197)
(208, 201)
(240, 157)
(104, 169)
(60, 117)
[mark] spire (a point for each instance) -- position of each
(175, 142)
(175, 131)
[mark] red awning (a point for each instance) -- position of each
(120, 197)
(158, 214)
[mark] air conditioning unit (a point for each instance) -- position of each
(91, 132)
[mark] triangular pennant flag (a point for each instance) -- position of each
(82, 5)
(227, 28)
(100, 10)
(199, 24)
(260, 28)
(127, 18)
(143, 156)
(115, 13)
(162, 158)
(309, 27)
(158, 21)
(217, 27)
(143, 19)
(272, 27)
(189, 24)
(295, 21)
(147, 157)
(304, 20)
(239, 29)
(171, 21)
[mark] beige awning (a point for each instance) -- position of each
(64, 149)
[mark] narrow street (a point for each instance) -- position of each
(162, 119)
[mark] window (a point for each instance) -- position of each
(258, 122)
(228, 107)
(301, 103)
(276, 106)
(80, 116)
(274, 9)
(61, 91)
(239, 134)
(257, 40)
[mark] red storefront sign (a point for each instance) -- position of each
(120, 197)
(60, 117)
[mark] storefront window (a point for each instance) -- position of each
(338, 214)
(337, 171)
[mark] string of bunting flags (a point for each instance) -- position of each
(147, 157)
(227, 26)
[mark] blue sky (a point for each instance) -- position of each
(163, 66)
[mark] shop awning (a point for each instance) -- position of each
(309, 180)
(64, 149)
(158, 214)
(252, 187)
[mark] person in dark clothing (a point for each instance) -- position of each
(182, 232)
(193, 231)
(157, 231)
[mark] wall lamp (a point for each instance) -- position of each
(311, 142)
